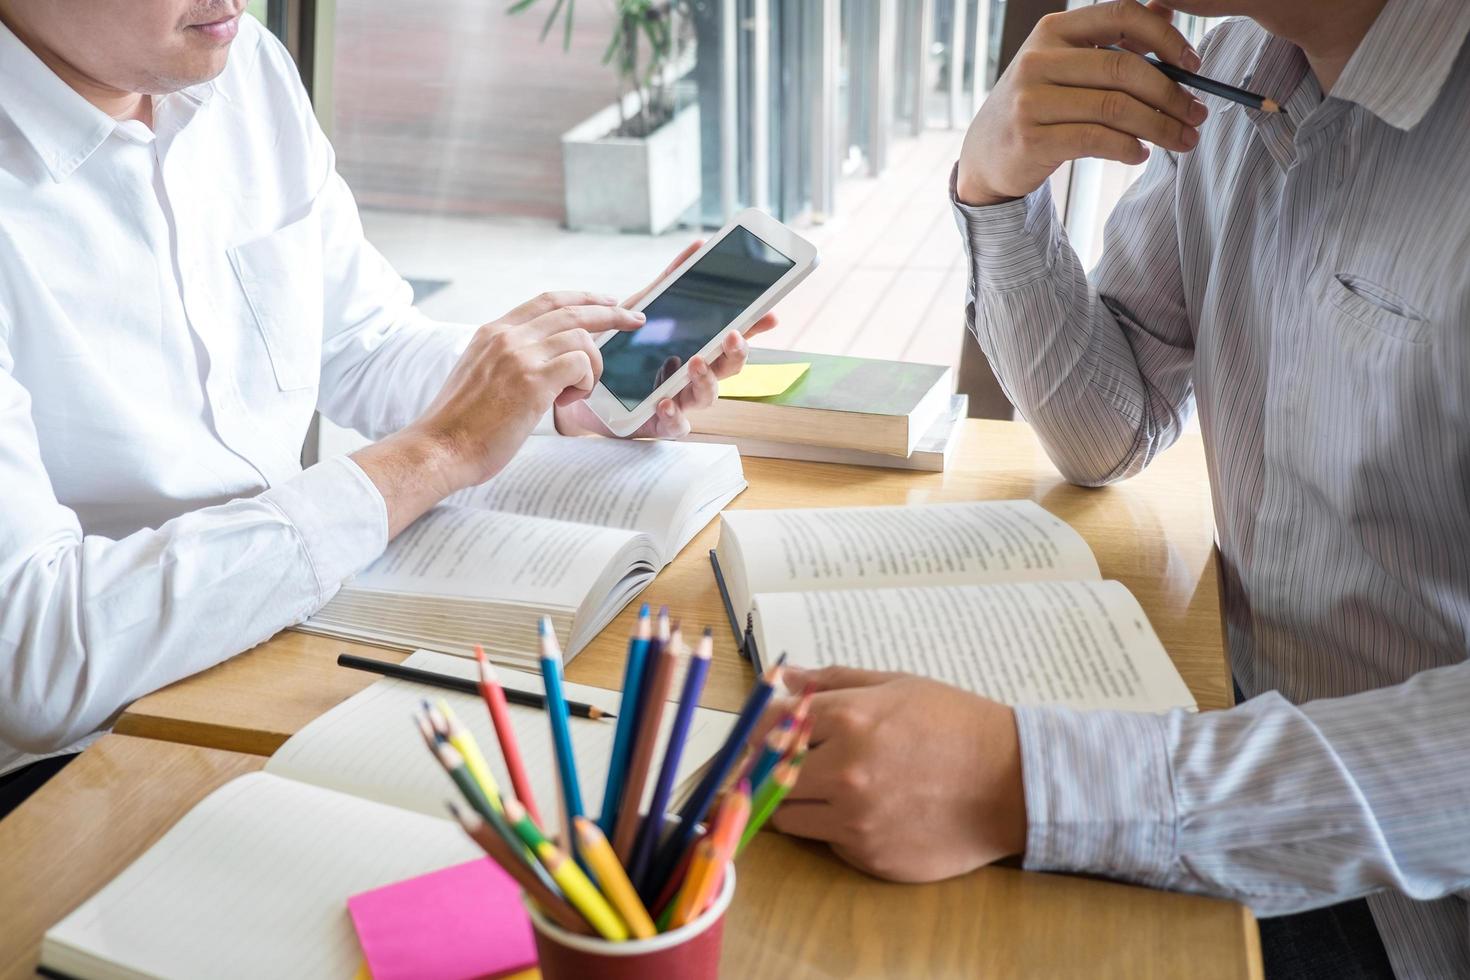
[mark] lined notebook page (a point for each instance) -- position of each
(1081, 644)
(931, 544)
(253, 882)
(369, 745)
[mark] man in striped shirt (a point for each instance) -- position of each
(1301, 279)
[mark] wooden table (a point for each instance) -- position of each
(1153, 533)
(798, 912)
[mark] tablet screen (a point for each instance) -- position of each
(696, 306)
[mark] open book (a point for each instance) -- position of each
(254, 880)
(1000, 597)
(572, 529)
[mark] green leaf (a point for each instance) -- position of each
(520, 5)
(566, 41)
(551, 19)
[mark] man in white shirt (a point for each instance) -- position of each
(183, 281)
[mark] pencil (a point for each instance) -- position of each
(653, 826)
(561, 732)
(505, 732)
(729, 823)
(695, 808)
(474, 760)
(617, 765)
(770, 795)
(665, 901)
(650, 715)
(526, 699)
(530, 877)
(575, 884)
(701, 869)
(1248, 99)
(778, 740)
(613, 879)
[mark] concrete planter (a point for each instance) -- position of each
(637, 185)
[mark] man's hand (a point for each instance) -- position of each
(1062, 98)
(668, 420)
(907, 778)
(514, 370)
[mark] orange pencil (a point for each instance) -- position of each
(700, 889)
(649, 715)
(510, 749)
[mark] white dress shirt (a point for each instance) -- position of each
(174, 304)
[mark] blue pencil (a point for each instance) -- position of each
(653, 825)
(561, 732)
(697, 806)
(627, 721)
(775, 747)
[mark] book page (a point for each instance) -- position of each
(253, 882)
(468, 553)
(369, 746)
(1080, 644)
(929, 544)
(632, 484)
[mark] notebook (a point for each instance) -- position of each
(1001, 598)
(838, 402)
(932, 453)
(572, 528)
(254, 881)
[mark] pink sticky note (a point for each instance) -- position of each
(454, 924)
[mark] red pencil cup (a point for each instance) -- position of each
(690, 952)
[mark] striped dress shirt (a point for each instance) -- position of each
(1301, 280)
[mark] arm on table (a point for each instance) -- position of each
(1283, 807)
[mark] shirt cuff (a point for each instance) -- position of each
(1099, 794)
(1009, 244)
(339, 517)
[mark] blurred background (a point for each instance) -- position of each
(498, 148)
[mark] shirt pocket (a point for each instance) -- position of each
(281, 276)
(1379, 308)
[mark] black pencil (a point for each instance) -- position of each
(1248, 99)
(462, 684)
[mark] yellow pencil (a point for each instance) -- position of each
(614, 880)
(574, 884)
(461, 738)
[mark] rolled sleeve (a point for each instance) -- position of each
(1099, 795)
(339, 517)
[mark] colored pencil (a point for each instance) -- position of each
(768, 798)
(469, 787)
(561, 733)
(664, 904)
(778, 740)
(505, 732)
(701, 869)
(650, 715)
(574, 884)
(461, 738)
(1248, 99)
(653, 825)
(613, 879)
(697, 890)
(695, 808)
(531, 877)
(617, 765)
(526, 699)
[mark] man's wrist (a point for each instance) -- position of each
(413, 469)
(971, 191)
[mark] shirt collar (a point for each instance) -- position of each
(1398, 70)
(1401, 66)
(62, 127)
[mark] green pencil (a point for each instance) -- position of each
(772, 791)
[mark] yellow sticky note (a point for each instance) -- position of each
(762, 380)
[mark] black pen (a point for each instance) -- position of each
(463, 684)
(1248, 99)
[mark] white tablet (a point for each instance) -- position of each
(729, 284)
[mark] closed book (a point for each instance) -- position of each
(840, 402)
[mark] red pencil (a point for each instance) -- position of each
(494, 696)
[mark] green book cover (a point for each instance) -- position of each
(851, 384)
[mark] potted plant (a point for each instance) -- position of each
(633, 166)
